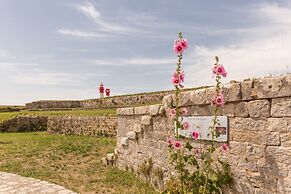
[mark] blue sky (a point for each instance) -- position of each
(63, 49)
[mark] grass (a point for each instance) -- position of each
(90, 112)
(70, 161)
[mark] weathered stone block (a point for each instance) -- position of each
(273, 139)
(154, 109)
(141, 110)
(285, 139)
(277, 124)
(232, 92)
(259, 108)
(272, 87)
(281, 107)
(198, 97)
(247, 124)
(131, 135)
(209, 93)
(202, 110)
(146, 120)
(184, 99)
(125, 111)
(277, 154)
(246, 89)
(169, 100)
(229, 110)
(124, 141)
(241, 109)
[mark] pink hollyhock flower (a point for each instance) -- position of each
(185, 125)
(182, 76)
(184, 43)
(195, 135)
(176, 81)
(224, 147)
(178, 145)
(170, 141)
(219, 70)
(178, 48)
(172, 112)
(184, 111)
(218, 100)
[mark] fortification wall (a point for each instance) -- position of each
(83, 125)
(102, 103)
(259, 113)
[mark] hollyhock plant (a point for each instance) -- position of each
(176, 80)
(172, 112)
(170, 142)
(195, 135)
(178, 48)
(224, 147)
(218, 100)
(177, 145)
(209, 174)
(185, 125)
(184, 111)
(219, 70)
(184, 43)
(182, 76)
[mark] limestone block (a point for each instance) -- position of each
(137, 128)
(200, 110)
(241, 109)
(259, 108)
(131, 135)
(229, 109)
(273, 139)
(142, 110)
(169, 100)
(246, 89)
(198, 97)
(232, 92)
(184, 99)
(125, 111)
(209, 93)
(272, 87)
(154, 109)
(277, 124)
(247, 124)
(277, 154)
(281, 107)
(124, 141)
(146, 120)
(254, 137)
(285, 139)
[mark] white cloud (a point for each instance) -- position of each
(79, 33)
(132, 61)
(267, 50)
(89, 10)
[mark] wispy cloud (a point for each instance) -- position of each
(78, 33)
(89, 10)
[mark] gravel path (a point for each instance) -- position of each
(15, 184)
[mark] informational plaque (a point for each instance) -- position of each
(202, 124)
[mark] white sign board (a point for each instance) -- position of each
(202, 123)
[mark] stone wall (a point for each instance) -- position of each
(83, 125)
(259, 112)
(102, 103)
(24, 124)
(53, 104)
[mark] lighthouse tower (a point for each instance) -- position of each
(107, 92)
(101, 90)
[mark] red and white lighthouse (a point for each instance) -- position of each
(101, 90)
(107, 92)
